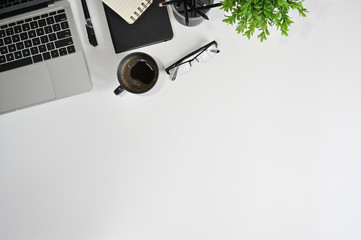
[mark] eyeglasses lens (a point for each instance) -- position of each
(181, 69)
(207, 54)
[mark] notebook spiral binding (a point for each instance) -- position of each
(139, 11)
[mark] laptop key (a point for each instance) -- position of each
(48, 29)
(34, 50)
(17, 29)
(37, 58)
(15, 64)
(10, 57)
(36, 41)
(7, 40)
(60, 17)
(25, 27)
(52, 37)
(64, 25)
(34, 25)
(71, 49)
(46, 56)
(20, 46)
(44, 39)
(23, 36)
(40, 31)
(18, 55)
(62, 51)
(50, 20)
(50, 46)
(63, 42)
(9, 31)
(26, 52)
(63, 34)
(32, 34)
(12, 48)
(28, 43)
(42, 48)
(16, 38)
(42, 22)
(2, 59)
(56, 27)
(4, 50)
(54, 53)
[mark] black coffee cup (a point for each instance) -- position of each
(137, 73)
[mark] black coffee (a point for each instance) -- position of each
(143, 72)
(137, 73)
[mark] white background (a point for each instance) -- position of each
(262, 142)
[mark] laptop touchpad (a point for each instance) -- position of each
(25, 86)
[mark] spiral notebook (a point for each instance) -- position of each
(129, 10)
(152, 27)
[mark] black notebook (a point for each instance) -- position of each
(153, 26)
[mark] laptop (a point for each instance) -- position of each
(41, 58)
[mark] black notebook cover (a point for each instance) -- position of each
(153, 26)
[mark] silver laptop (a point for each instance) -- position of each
(41, 58)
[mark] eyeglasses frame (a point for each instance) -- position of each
(197, 52)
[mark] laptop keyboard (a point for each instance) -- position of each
(35, 39)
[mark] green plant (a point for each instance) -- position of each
(250, 15)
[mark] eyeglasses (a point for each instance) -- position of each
(201, 55)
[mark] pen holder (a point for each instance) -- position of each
(193, 17)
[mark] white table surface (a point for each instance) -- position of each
(262, 142)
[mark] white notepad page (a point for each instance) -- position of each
(129, 10)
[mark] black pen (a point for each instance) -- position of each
(186, 12)
(210, 6)
(196, 10)
(207, 7)
(89, 25)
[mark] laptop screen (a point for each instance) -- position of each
(13, 7)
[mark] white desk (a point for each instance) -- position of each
(261, 142)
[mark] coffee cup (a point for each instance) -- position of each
(137, 73)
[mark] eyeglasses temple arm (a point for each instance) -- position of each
(175, 74)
